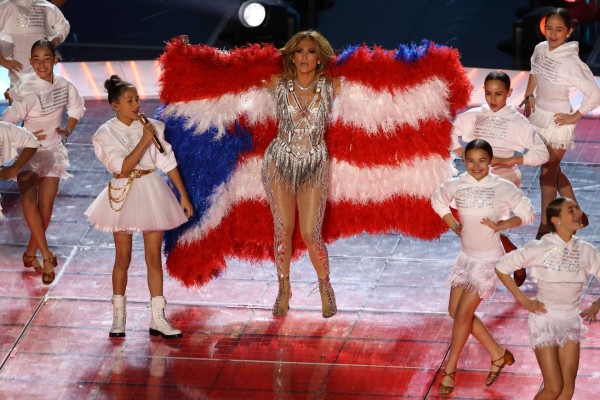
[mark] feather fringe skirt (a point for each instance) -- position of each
(555, 136)
(546, 330)
(475, 275)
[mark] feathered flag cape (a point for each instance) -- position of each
(388, 139)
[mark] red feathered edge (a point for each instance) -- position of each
(247, 231)
(196, 72)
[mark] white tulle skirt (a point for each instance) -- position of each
(475, 275)
(555, 136)
(50, 161)
(547, 330)
(150, 205)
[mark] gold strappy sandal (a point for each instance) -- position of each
(506, 359)
(443, 389)
(32, 262)
(48, 277)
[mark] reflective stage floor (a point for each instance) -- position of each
(389, 339)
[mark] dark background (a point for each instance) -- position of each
(138, 29)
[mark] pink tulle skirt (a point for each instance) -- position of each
(547, 330)
(475, 275)
(50, 162)
(150, 205)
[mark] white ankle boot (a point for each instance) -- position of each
(119, 316)
(159, 325)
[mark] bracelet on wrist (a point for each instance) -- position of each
(527, 97)
(455, 226)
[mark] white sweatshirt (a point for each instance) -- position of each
(22, 22)
(114, 141)
(506, 130)
(491, 197)
(41, 105)
(560, 269)
(14, 137)
(559, 70)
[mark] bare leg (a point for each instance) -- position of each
(569, 364)
(283, 208)
(462, 306)
(152, 247)
(28, 189)
(311, 209)
(548, 360)
(550, 176)
(123, 244)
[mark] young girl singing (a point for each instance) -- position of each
(561, 264)
(555, 69)
(137, 199)
(481, 199)
(40, 100)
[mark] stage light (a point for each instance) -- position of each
(252, 14)
(267, 21)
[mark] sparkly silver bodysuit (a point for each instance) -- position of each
(296, 159)
(298, 155)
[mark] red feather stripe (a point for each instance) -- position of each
(247, 233)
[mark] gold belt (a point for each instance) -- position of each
(120, 193)
(135, 173)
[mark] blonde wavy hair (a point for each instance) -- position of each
(324, 52)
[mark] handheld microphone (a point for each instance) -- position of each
(155, 140)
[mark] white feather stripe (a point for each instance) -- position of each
(419, 178)
(362, 107)
(258, 105)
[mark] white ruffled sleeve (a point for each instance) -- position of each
(19, 137)
(57, 25)
(461, 126)
(76, 104)
(108, 150)
(443, 196)
(524, 257)
(537, 152)
(592, 260)
(520, 204)
(19, 109)
(580, 76)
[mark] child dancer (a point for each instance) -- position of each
(556, 68)
(13, 137)
(22, 22)
(481, 199)
(507, 131)
(560, 263)
(137, 199)
(40, 101)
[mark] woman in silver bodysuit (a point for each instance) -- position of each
(296, 164)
